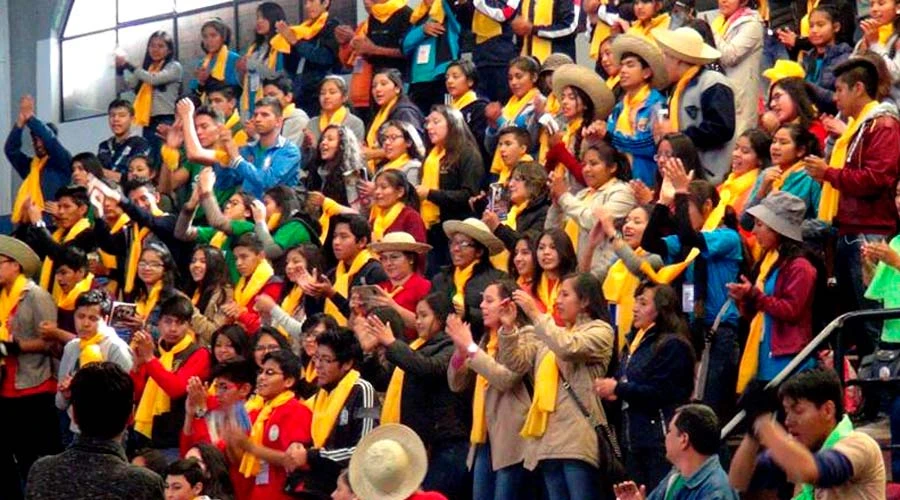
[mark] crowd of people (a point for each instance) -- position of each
(350, 262)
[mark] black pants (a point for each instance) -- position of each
(30, 430)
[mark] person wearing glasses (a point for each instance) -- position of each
(399, 254)
(156, 273)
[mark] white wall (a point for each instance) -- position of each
(5, 104)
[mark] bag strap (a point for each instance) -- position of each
(596, 424)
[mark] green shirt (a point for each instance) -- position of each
(291, 234)
(238, 227)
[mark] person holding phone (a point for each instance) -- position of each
(289, 316)
(399, 254)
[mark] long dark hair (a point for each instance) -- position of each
(668, 311)
(215, 278)
(683, 148)
(397, 180)
(799, 92)
(505, 289)
(170, 272)
(273, 13)
(587, 287)
(440, 305)
(90, 162)
(568, 259)
(759, 143)
(803, 139)
(218, 25)
(216, 480)
(611, 157)
(315, 259)
(238, 337)
(530, 239)
(333, 185)
(459, 138)
(587, 116)
(286, 199)
(170, 44)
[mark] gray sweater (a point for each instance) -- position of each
(36, 305)
(166, 86)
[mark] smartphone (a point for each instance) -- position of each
(498, 200)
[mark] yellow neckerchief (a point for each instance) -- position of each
(336, 118)
(533, 45)
(546, 382)
(89, 350)
(342, 279)
(273, 221)
(218, 69)
(506, 170)
(309, 373)
(479, 418)
(750, 359)
(485, 27)
(461, 277)
(830, 198)
(720, 25)
(643, 29)
(618, 288)
(110, 261)
(154, 400)
(384, 11)
(271, 63)
(138, 235)
(548, 293)
(289, 305)
(729, 191)
(254, 403)
(572, 228)
(250, 464)
(247, 289)
(675, 100)
(9, 299)
(61, 236)
(464, 100)
(30, 188)
(570, 132)
(435, 12)
(238, 134)
(143, 99)
(377, 122)
(630, 105)
(552, 106)
(397, 163)
(638, 338)
(330, 208)
(777, 183)
(390, 409)
(66, 302)
(218, 239)
(513, 108)
(195, 299)
(145, 307)
(601, 32)
(326, 407)
(667, 274)
(885, 31)
(431, 179)
(612, 81)
(305, 31)
(381, 219)
(804, 21)
(513, 214)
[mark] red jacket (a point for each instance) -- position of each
(408, 221)
(867, 180)
(790, 308)
(250, 319)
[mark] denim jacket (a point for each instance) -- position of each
(710, 482)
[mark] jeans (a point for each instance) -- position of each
(848, 269)
(447, 471)
(721, 375)
(570, 479)
(508, 483)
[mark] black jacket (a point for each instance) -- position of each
(43, 244)
(473, 114)
(406, 111)
(319, 58)
(529, 220)
(458, 183)
(370, 274)
(443, 283)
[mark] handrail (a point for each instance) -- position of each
(801, 357)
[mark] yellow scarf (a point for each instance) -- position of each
(327, 406)
(397, 163)
(249, 462)
(532, 45)
(110, 261)
(612, 81)
(273, 221)
(431, 178)
(330, 208)
(30, 188)
(668, 273)
(618, 288)
(289, 305)
(145, 307)
(381, 219)
(464, 100)
(218, 69)
(247, 289)
(9, 299)
(305, 31)
(309, 373)
(67, 302)
(644, 29)
(138, 235)
(479, 418)
(630, 106)
(885, 31)
(675, 101)
(729, 192)
(804, 22)
(572, 228)
(830, 198)
(335, 118)
(390, 409)
(238, 134)
(377, 122)
(218, 239)
(570, 132)
(546, 293)
(460, 278)
(750, 359)
(143, 99)
(484, 27)
(720, 25)
(384, 11)
(601, 32)
(271, 63)
(342, 279)
(89, 350)
(60, 236)
(513, 108)
(777, 183)
(546, 382)
(154, 400)
(195, 299)
(638, 338)
(435, 12)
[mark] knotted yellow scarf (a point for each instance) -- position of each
(384, 11)
(89, 350)
(618, 288)
(375, 127)
(61, 236)
(146, 305)
(631, 104)
(66, 302)
(246, 289)
(218, 69)
(290, 304)
(330, 208)
(390, 410)
(431, 178)
(138, 235)
(777, 183)
(668, 273)
(804, 21)
(305, 31)
(238, 134)
(327, 406)
(643, 29)
(511, 111)
(143, 99)
(572, 228)
(675, 101)
(547, 292)
(310, 373)
(730, 192)
(750, 359)
(638, 338)
(435, 12)
(271, 63)
(9, 299)
(336, 118)
(541, 15)
(830, 198)
(249, 462)
(30, 188)
(342, 279)
(381, 219)
(110, 261)
(460, 278)
(464, 100)
(397, 163)
(154, 400)
(479, 418)
(885, 31)
(546, 382)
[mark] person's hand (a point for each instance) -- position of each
(869, 28)
(284, 29)
(509, 313)
(422, 192)
(47, 330)
(97, 268)
(226, 140)
(234, 436)
(521, 27)
(366, 188)
(605, 220)
(162, 130)
(492, 112)
(557, 184)
(32, 212)
(432, 28)
(132, 323)
(250, 128)
(815, 167)
(666, 191)
(459, 332)
(605, 388)
(121, 61)
(459, 308)
(527, 303)
(673, 170)
(770, 175)
(26, 110)
(65, 387)
(833, 125)
(52, 207)
(196, 396)
(597, 130)
(185, 109)
(344, 34)
(142, 347)
(880, 251)
(241, 65)
(173, 134)
(258, 209)
(194, 200)
(787, 37)
(540, 104)
(621, 25)
(490, 219)
(769, 122)
(309, 140)
(555, 138)
(233, 310)
(758, 400)
(474, 200)
(382, 299)
(202, 75)
(629, 491)
(315, 199)
(382, 331)
(364, 45)
(298, 455)
(738, 291)
(206, 180)
(322, 286)
(264, 304)
(642, 194)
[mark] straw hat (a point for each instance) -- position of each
(389, 463)
(555, 60)
(784, 69)
(574, 75)
(398, 241)
(477, 230)
(783, 212)
(647, 51)
(685, 44)
(21, 253)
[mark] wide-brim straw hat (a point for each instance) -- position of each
(650, 53)
(783, 213)
(477, 230)
(685, 44)
(555, 60)
(21, 253)
(389, 463)
(399, 241)
(574, 75)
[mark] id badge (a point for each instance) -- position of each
(254, 81)
(424, 54)
(263, 476)
(687, 298)
(358, 65)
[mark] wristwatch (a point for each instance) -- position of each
(200, 413)
(472, 350)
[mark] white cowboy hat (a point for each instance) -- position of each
(477, 230)
(389, 463)
(399, 241)
(685, 44)
(650, 53)
(21, 253)
(574, 75)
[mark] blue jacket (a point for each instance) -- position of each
(257, 170)
(641, 145)
(430, 56)
(58, 170)
(231, 74)
(710, 482)
(499, 50)
(823, 80)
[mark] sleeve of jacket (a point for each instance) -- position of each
(717, 127)
(498, 10)
(283, 161)
(457, 200)
(497, 374)
(510, 236)
(590, 345)
(362, 421)
(175, 383)
(51, 143)
(162, 225)
(892, 63)
(171, 73)
(878, 166)
(414, 37)
(459, 375)
(517, 350)
(799, 278)
(559, 153)
(323, 52)
(565, 20)
(13, 149)
(749, 36)
(653, 236)
(671, 359)
(413, 362)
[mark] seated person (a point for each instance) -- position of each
(116, 152)
(257, 277)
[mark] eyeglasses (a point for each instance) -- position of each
(323, 360)
(388, 257)
(148, 265)
(661, 156)
(269, 372)
(267, 348)
(462, 244)
(391, 138)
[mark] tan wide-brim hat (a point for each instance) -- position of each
(554, 61)
(574, 75)
(21, 253)
(389, 463)
(477, 230)
(399, 241)
(685, 44)
(650, 53)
